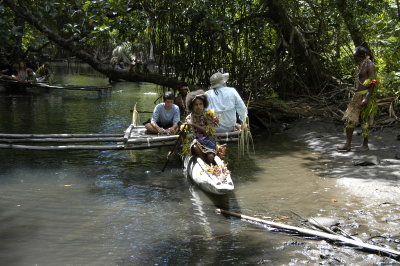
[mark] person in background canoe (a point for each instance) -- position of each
(363, 106)
(6, 69)
(22, 74)
(226, 102)
(165, 117)
(180, 99)
(202, 124)
(31, 75)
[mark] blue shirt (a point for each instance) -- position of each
(226, 102)
(166, 117)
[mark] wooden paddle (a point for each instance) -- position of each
(178, 141)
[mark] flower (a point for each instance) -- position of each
(370, 82)
(218, 170)
(210, 112)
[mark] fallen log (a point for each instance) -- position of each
(357, 243)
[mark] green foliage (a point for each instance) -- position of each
(192, 39)
(390, 85)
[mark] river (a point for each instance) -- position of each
(117, 208)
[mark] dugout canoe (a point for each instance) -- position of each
(207, 177)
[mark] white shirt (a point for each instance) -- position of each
(226, 102)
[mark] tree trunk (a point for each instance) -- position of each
(20, 10)
(356, 35)
(307, 63)
(398, 10)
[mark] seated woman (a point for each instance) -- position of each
(202, 124)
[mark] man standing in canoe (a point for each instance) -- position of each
(226, 102)
(165, 117)
(363, 106)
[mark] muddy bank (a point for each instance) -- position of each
(370, 178)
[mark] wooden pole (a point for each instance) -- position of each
(15, 136)
(58, 148)
(141, 146)
(381, 250)
(62, 140)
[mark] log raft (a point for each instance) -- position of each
(134, 138)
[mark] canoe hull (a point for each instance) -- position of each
(197, 170)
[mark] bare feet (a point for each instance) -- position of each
(344, 148)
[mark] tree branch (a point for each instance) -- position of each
(21, 11)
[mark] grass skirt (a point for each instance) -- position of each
(353, 111)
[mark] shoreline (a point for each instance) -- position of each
(354, 170)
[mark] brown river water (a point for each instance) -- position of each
(117, 208)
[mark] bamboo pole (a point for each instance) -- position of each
(14, 136)
(62, 140)
(141, 146)
(127, 133)
(147, 139)
(69, 147)
(380, 250)
(155, 138)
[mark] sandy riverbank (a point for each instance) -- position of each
(379, 182)
(375, 188)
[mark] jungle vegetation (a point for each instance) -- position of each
(271, 48)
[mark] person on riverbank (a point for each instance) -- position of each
(363, 106)
(180, 99)
(202, 124)
(165, 117)
(226, 103)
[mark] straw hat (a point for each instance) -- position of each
(218, 79)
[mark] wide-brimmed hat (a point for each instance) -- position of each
(218, 79)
